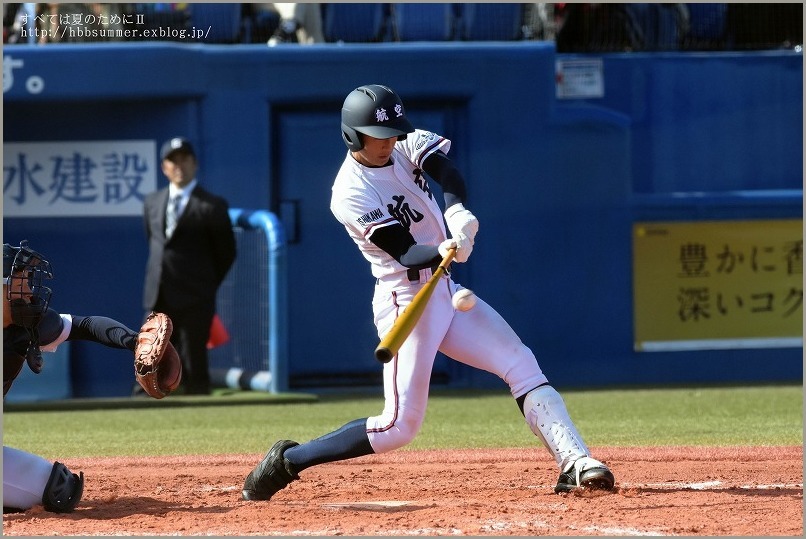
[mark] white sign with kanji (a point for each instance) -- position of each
(78, 179)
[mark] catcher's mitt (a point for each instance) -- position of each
(157, 366)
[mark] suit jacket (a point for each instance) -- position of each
(188, 268)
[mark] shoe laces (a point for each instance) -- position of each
(583, 464)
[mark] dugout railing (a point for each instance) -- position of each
(252, 305)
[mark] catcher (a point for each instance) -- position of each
(31, 327)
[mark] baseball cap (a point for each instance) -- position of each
(176, 144)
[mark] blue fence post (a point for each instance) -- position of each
(278, 302)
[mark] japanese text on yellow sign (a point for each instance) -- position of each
(718, 284)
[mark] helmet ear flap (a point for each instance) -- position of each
(352, 138)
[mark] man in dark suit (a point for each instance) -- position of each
(191, 249)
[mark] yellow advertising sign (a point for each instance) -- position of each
(718, 285)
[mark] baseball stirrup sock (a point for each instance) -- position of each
(548, 418)
(348, 442)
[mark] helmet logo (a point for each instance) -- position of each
(382, 116)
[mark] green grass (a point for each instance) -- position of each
(249, 423)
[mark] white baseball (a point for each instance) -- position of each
(464, 300)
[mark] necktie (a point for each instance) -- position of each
(172, 215)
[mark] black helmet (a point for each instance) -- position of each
(373, 110)
(24, 271)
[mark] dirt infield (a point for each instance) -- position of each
(659, 491)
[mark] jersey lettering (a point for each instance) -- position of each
(403, 213)
(367, 218)
(422, 183)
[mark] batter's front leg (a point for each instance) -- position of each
(407, 377)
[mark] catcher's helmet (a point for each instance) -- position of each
(373, 110)
(24, 270)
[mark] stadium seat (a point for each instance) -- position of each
(657, 27)
(422, 22)
(353, 22)
(160, 16)
(222, 21)
(707, 26)
(491, 21)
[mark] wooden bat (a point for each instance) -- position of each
(394, 338)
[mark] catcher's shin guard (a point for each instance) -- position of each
(64, 489)
(271, 475)
(548, 418)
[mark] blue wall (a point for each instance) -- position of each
(556, 184)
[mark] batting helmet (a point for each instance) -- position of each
(24, 270)
(373, 110)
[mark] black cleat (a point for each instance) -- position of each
(271, 475)
(587, 473)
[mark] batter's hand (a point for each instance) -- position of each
(463, 247)
(461, 223)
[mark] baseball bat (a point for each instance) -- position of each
(394, 338)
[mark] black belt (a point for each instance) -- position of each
(414, 274)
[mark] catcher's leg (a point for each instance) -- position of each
(548, 418)
(64, 489)
(29, 480)
(24, 478)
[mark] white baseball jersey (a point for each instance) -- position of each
(366, 198)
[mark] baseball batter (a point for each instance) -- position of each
(383, 199)
(29, 328)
